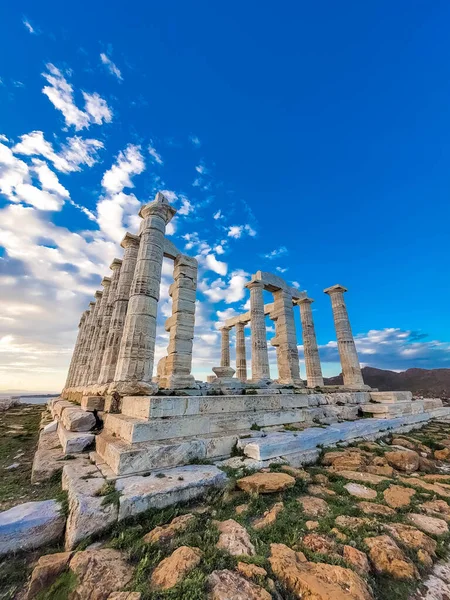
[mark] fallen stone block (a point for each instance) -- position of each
(50, 427)
(390, 397)
(30, 525)
(47, 458)
(76, 419)
(91, 403)
(73, 442)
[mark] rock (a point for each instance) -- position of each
(229, 585)
(371, 508)
(314, 507)
(99, 573)
(165, 533)
(437, 508)
(387, 558)
(426, 465)
(403, 442)
(242, 508)
(429, 524)
(266, 483)
(362, 477)
(383, 470)
(50, 427)
(46, 571)
(351, 523)
(251, 571)
(47, 458)
(269, 516)
(403, 460)
(429, 487)
(424, 558)
(319, 543)
(357, 559)
(311, 525)
(321, 479)
(397, 496)
(320, 490)
(75, 419)
(315, 581)
(175, 567)
(338, 534)
(234, 538)
(442, 454)
(297, 473)
(351, 461)
(30, 525)
(412, 537)
(360, 491)
(125, 596)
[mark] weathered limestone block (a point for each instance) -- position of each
(226, 584)
(175, 567)
(100, 573)
(46, 571)
(390, 397)
(91, 403)
(30, 525)
(76, 419)
(47, 458)
(73, 442)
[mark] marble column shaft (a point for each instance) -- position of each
(260, 356)
(285, 339)
(314, 376)
(84, 351)
(92, 377)
(137, 347)
(130, 243)
(176, 366)
(351, 369)
(225, 347)
(241, 358)
(76, 351)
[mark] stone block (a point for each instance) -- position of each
(76, 419)
(390, 397)
(181, 305)
(91, 403)
(181, 484)
(50, 427)
(30, 525)
(47, 458)
(73, 442)
(59, 406)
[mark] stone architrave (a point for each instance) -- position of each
(76, 352)
(260, 356)
(137, 348)
(241, 358)
(351, 370)
(174, 370)
(130, 243)
(95, 362)
(225, 347)
(285, 339)
(90, 335)
(314, 376)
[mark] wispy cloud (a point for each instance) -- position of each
(112, 67)
(281, 251)
(29, 26)
(154, 154)
(237, 231)
(195, 140)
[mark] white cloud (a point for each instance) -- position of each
(215, 265)
(154, 154)
(97, 108)
(218, 215)
(282, 250)
(186, 207)
(281, 269)
(29, 27)
(112, 68)
(295, 284)
(235, 231)
(219, 249)
(251, 232)
(128, 163)
(194, 140)
(201, 169)
(230, 292)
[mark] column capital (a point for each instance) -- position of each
(299, 301)
(98, 294)
(254, 284)
(159, 206)
(130, 240)
(82, 318)
(335, 288)
(225, 328)
(91, 304)
(106, 281)
(116, 263)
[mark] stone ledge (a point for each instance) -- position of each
(74, 442)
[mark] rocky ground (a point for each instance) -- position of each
(367, 522)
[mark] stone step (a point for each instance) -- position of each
(133, 430)
(390, 397)
(432, 403)
(397, 409)
(73, 442)
(151, 407)
(181, 484)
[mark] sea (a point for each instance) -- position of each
(29, 398)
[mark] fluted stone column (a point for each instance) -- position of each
(137, 348)
(351, 370)
(241, 358)
(91, 340)
(314, 376)
(174, 370)
(225, 348)
(76, 352)
(130, 243)
(81, 369)
(285, 339)
(94, 361)
(260, 356)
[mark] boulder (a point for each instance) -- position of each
(320, 490)
(314, 507)
(397, 496)
(437, 508)
(250, 571)
(357, 559)
(175, 567)
(297, 473)
(412, 537)
(383, 470)
(311, 525)
(387, 558)
(30, 525)
(371, 508)
(165, 533)
(403, 460)
(442, 454)
(352, 523)
(125, 596)
(266, 483)
(229, 585)
(241, 509)
(99, 574)
(269, 516)
(318, 581)
(234, 538)
(362, 477)
(429, 487)
(46, 571)
(404, 442)
(319, 543)
(360, 491)
(428, 524)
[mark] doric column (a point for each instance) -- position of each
(130, 243)
(285, 339)
(351, 370)
(260, 356)
(310, 350)
(84, 354)
(225, 348)
(241, 358)
(76, 351)
(137, 348)
(175, 368)
(95, 358)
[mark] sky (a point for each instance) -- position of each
(310, 140)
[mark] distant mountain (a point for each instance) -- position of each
(432, 383)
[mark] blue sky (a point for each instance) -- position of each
(311, 140)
